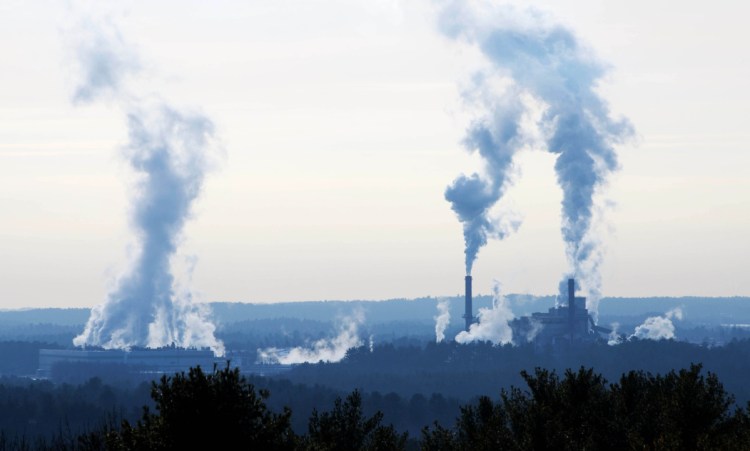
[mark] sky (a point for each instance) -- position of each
(340, 125)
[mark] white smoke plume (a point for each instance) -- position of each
(658, 327)
(324, 350)
(170, 152)
(442, 319)
(497, 136)
(614, 338)
(493, 324)
(105, 61)
(536, 327)
(545, 61)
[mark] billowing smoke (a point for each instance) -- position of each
(493, 324)
(324, 350)
(545, 61)
(442, 319)
(658, 327)
(496, 136)
(170, 152)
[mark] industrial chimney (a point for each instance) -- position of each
(571, 305)
(468, 313)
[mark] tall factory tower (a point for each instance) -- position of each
(468, 315)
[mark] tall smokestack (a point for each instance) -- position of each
(468, 314)
(571, 304)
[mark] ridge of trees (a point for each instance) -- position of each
(465, 372)
(648, 389)
(580, 410)
(682, 410)
(222, 410)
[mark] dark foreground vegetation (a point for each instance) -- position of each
(221, 409)
(465, 372)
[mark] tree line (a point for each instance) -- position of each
(687, 409)
(465, 372)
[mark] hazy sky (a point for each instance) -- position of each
(341, 123)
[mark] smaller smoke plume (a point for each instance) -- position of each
(105, 60)
(658, 327)
(614, 338)
(493, 324)
(442, 320)
(536, 327)
(324, 350)
(497, 136)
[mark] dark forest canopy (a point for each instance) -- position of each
(680, 410)
(467, 371)
(413, 386)
(411, 380)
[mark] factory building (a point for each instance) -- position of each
(153, 361)
(163, 360)
(565, 323)
(562, 323)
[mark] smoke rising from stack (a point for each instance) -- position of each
(442, 320)
(497, 137)
(493, 324)
(324, 350)
(170, 152)
(545, 61)
(614, 338)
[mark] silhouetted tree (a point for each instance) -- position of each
(218, 410)
(345, 428)
(678, 411)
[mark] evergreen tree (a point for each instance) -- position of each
(197, 410)
(346, 428)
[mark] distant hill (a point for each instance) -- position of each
(58, 316)
(697, 310)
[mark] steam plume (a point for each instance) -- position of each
(104, 60)
(545, 61)
(496, 136)
(324, 350)
(658, 327)
(442, 320)
(614, 338)
(492, 323)
(170, 151)
(536, 327)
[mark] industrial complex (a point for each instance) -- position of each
(163, 360)
(559, 324)
(168, 360)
